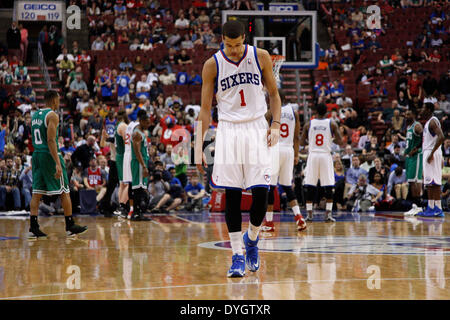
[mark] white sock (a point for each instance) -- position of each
(131, 208)
(329, 206)
(309, 207)
(296, 210)
(253, 231)
(269, 216)
(431, 203)
(438, 204)
(236, 242)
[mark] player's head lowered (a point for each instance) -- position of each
(51, 99)
(233, 36)
(427, 111)
(144, 120)
(321, 110)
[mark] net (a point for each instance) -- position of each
(277, 62)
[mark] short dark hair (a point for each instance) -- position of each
(429, 106)
(321, 109)
(233, 29)
(50, 95)
(142, 114)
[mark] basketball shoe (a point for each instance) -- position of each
(35, 233)
(251, 252)
(438, 212)
(237, 268)
(268, 226)
(301, 223)
(75, 229)
(427, 213)
(414, 210)
(329, 217)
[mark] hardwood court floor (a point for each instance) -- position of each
(187, 257)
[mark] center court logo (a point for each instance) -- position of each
(348, 245)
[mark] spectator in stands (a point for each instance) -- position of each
(167, 78)
(436, 41)
(183, 58)
(65, 66)
(110, 44)
(378, 168)
(26, 93)
(9, 181)
(194, 78)
(146, 45)
(414, 87)
(322, 94)
(346, 62)
(136, 45)
(121, 23)
(337, 89)
(152, 76)
(123, 86)
(13, 37)
(423, 40)
(155, 90)
(397, 121)
(395, 141)
(362, 196)
(365, 135)
(98, 44)
(84, 152)
(106, 85)
(142, 86)
(435, 57)
(122, 38)
(352, 174)
(364, 78)
(410, 56)
(444, 104)
(21, 78)
(78, 87)
(386, 64)
(187, 42)
(182, 23)
(68, 148)
(402, 101)
(195, 193)
(26, 179)
(397, 181)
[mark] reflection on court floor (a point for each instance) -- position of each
(186, 256)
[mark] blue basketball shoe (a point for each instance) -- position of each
(252, 256)
(438, 212)
(427, 213)
(237, 268)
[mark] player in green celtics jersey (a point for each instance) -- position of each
(49, 171)
(139, 162)
(413, 164)
(120, 138)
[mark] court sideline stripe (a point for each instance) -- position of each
(211, 285)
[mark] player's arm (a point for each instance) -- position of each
(137, 139)
(304, 135)
(209, 74)
(418, 131)
(272, 90)
(296, 138)
(52, 125)
(121, 130)
(434, 128)
(336, 133)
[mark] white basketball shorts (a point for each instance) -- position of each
(319, 166)
(127, 178)
(283, 166)
(242, 158)
(432, 172)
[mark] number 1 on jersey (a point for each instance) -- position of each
(243, 104)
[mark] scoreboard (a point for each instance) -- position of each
(39, 11)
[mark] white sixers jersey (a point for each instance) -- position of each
(428, 139)
(239, 88)
(128, 135)
(287, 126)
(319, 136)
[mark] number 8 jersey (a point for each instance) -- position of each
(239, 88)
(319, 136)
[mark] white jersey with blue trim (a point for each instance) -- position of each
(287, 126)
(239, 88)
(429, 140)
(320, 136)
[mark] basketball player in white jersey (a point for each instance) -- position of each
(283, 165)
(242, 157)
(319, 166)
(433, 137)
(127, 177)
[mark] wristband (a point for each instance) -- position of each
(276, 121)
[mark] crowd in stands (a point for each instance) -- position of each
(144, 55)
(371, 74)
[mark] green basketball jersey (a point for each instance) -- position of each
(118, 141)
(412, 139)
(144, 146)
(39, 130)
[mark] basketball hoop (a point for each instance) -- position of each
(277, 61)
